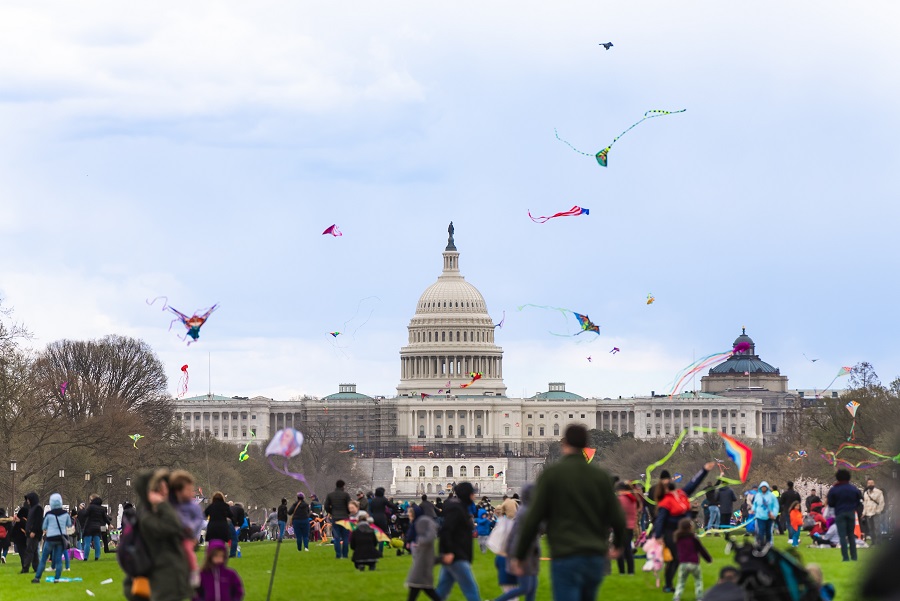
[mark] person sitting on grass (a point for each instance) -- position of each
(364, 543)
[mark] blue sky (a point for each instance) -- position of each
(198, 152)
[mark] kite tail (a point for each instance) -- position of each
(539, 219)
(587, 154)
(852, 428)
(284, 470)
(659, 463)
(165, 302)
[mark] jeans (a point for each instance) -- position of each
(715, 518)
(873, 527)
(301, 531)
(234, 542)
(685, 570)
(54, 549)
(626, 560)
(763, 531)
(527, 588)
(577, 577)
(340, 536)
(91, 541)
(794, 535)
(845, 524)
(461, 573)
(281, 527)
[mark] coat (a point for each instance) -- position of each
(765, 504)
(421, 573)
(219, 526)
(873, 502)
(220, 584)
(35, 523)
(364, 543)
(95, 517)
(456, 533)
(336, 503)
(727, 499)
(377, 509)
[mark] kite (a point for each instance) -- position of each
(498, 474)
(183, 381)
(832, 458)
(333, 230)
(135, 438)
(728, 529)
(589, 359)
(335, 334)
(650, 298)
(500, 325)
(441, 391)
(353, 525)
(607, 45)
(423, 395)
(62, 389)
(584, 321)
(844, 371)
(602, 155)
(245, 455)
(614, 350)
(797, 455)
(286, 444)
(349, 325)
(475, 375)
(676, 477)
(192, 323)
(705, 362)
(573, 212)
(852, 407)
(589, 454)
(808, 359)
(739, 453)
(350, 448)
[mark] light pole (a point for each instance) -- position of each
(87, 484)
(12, 467)
(128, 490)
(62, 477)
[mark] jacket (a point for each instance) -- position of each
(363, 503)
(690, 549)
(483, 523)
(57, 519)
(844, 498)
(796, 519)
(220, 584)
(456, 533)
(428, 508)
(237, 515)
(377, 509)
(787, 499)
(727, 499)
(873, 502)
(726, 591)
(299, 511)
(35, 523)
(364, 543)
(665, 519)
(629, 504)
(283, 512)
(421, 573)
(336, 503)
(577, 501)
(765, 504)
(531, 565)
(95, 517)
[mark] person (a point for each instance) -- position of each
(162, 535)
(812, 498)
(218, 582)
(219, 513)
(483, 525)
(727, 499)
(673, 506)
(427, 507)
(690, 550)
(272, 524)
(455, 545)
(5, 534)
(94, 521)
(20, 535)
(826, 590)
(420, 537)
(505, 578)
(527, 581)
(33, 531)
(776, 523)
(378, 508)
(785, 501)
(829, 537)
(299, 513)
(873, 506)
(238, 515)
(658, 491)
(577, 502)
(715, 516)
(282, 518)
(364, 543)
(845, 499)
(337, 504)
(361, 501)
(881, 579)
(794, 521)
(352, 511)
(727, 588)
(765, 509)
(54, 529)
(181, 497)
(630, 507)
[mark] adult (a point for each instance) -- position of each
(362, 501)
(787, 498)
(456, 545)
(579, 506)
(378, 508)
(727, 588)
(282, 518)
(715, 515)
(420, 537)
(658, 491)
(272, 524)
(873, 506)
(238, 515)
(845, 499)
(337, 504)
(94, 522)
(5, 534)
(776, 523)
(54, 528)
(33, 531)
(19, 535)
(765, 509)
(631, 507)
(812, 498)
(299, 513)
(220, 526)
(427, 507)
(162, 534)
(671, 508)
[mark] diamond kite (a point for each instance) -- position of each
(286, 443)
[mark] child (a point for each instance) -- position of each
(795, 521)
(483, 525)
(826, 591)
(218, 582)
(689, 551)
(181, 497)
(364, 543)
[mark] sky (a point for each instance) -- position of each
(198, 151)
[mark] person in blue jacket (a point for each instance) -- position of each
(845, 499)
(483, 524)
(765, 509)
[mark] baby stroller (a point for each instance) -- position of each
(768, 574)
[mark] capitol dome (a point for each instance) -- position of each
(451, 336)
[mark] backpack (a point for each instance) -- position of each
(677, 502)
(809, 522)
(771, 575)
(3, 532)
(131, 551)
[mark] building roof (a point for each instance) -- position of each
(347, 396)
(744, 361)
(210, 397)
(557, 392)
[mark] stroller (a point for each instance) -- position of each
(768, 574)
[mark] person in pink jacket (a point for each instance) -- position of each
(631, 505)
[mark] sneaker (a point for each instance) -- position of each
(306, 549)
(35, 581)
(2, 559)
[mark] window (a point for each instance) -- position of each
(253, 431)
(463, 472)
(243, 433)
(477, 430)
(490, 470)
(530, 431)
(421, 431)
(834, 394)
(215, 431)
(506, 430)
(571, 415)
(444, 335)
(743, 429)
(734, 429)
(421, 471)
(555, 429)
(253, 417)
(743, 415)
(476, 471)
(529, 416)
(648, 430)
(582, 416)
(450, 431)
(408, 471)
(437, 431)
(725, 429)
(449, 471)
(435, 472)
(541, 416)
(541, 431)
(648, 414)
(462, 431)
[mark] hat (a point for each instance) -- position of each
(663, 475)
(362, 516)
(215, 544)
(300, 495)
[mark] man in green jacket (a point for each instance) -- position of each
(577, 502)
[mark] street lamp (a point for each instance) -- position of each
(87, 476)
(62, 472)
(128, 482)
(109, 479)
(13, 464)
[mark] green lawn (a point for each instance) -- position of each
(317, 575)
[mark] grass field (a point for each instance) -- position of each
(318, 575)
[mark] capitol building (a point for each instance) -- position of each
(436, 431)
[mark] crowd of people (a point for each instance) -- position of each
(590, 519)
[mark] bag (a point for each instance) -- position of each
(63, 538)
(104, 528)
(3, 532)
(809, 522)
(496, 542)
(131, 552)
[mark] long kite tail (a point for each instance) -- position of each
(587, 154)
(153, 302)
(659, 463)
(651, 114)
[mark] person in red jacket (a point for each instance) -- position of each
(631, 505)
